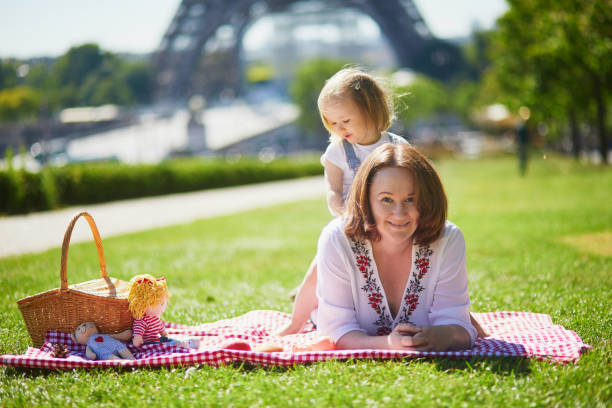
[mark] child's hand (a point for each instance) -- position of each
(137, 340)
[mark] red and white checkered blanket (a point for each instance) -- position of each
(513, 334)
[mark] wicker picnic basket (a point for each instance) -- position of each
(102, 301)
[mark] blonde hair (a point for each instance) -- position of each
(146, 291)
(370, 94)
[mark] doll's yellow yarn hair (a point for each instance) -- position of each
(146, 291)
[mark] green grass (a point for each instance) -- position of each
(520, 257)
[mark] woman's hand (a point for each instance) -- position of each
(403, 336)
(429, 338)
(434, 338)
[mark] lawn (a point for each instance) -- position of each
(541, 243)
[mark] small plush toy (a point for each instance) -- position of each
(103, 346)
(148, 298)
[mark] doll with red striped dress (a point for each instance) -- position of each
(148, 298)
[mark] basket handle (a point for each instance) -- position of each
(66, 243)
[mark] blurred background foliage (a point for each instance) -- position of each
(554, 57)
(84, 76)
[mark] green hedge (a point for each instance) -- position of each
(22, 192)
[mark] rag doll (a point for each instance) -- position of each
(103, 346)
(148, 298)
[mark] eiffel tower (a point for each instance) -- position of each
(197, 21)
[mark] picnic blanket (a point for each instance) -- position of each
(513, 334)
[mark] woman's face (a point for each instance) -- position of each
(348, 122)
(393, 203)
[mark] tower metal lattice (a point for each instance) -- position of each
(197, 21)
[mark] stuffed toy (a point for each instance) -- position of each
(103, 346)
(148, 298)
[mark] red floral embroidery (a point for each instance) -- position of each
(374, 291)
(423, 266)
(363, 262)
(371, 287)
(411, 300)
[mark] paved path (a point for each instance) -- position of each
(40, 231)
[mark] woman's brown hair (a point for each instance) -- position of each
(430, 196)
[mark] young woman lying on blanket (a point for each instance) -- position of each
(391, 272)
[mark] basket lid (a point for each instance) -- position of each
(105, 287)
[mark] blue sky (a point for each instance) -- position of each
(49, 27)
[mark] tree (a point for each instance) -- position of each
(18, 103)
(8, 74)
(139, 80)
(104, 84)
(78, 63)
(423, 98)
(556, 57)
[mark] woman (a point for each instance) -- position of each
(392, 272)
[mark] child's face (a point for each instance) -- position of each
(157, 310)
(348, 122)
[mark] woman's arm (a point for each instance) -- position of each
(410, 337)
(451, 301)
(360, 340)
(333, 185)
(438, 338)
(336, 314)
(401, 338)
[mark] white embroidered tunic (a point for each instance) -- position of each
(351, 296)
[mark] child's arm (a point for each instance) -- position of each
(333, 185)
